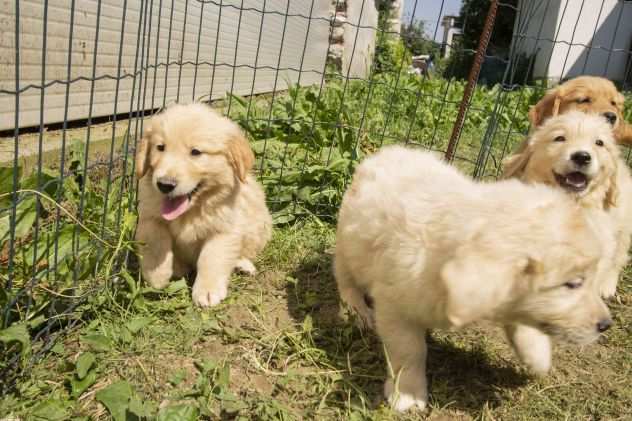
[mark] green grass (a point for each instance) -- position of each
(276, 349)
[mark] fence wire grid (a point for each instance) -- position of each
(300, 77)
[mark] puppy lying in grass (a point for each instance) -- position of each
(199, 208)
(426, 247)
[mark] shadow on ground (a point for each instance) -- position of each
(462, 378)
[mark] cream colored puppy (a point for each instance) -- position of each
(198, 205)
(577, 153)
(433, 249)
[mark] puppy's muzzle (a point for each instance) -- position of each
(166, 185)
(581, 158)
(604, 325)
(610, 117)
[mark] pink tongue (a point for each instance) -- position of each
(172, 208)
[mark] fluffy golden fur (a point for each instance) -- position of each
(420, 246)
(199, 208)
(577, 153)
(589, 94)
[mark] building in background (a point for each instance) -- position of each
(353, 37)
(451, 34)
(567, 38)
(245, 52)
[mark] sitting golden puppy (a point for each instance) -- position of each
(433, 249)
(576, 152)
(589, 94)
(198, 205)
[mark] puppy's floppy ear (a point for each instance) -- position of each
(548, 106)
(479, 281)
(623, 133)
(142, 153)
(514, 165)
(240, 154)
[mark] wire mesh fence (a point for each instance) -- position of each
(316, 85)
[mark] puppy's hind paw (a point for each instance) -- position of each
(246, 266)
(401, 402)
(205, 296)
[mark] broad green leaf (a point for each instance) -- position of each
(64, 244)
(51, 410)
(58, 349)
(137, 323)
(129, 220)
(34, 323)
(178, 377)
(223, 379)
(25, 215)
(124, 335)
(5, 224)
(17, 333)
(206, 365)
(182, 412)
(232, 404)
(48, 182)
(84, 363)
(78, 386)
(142, 409)
(97, 342)
(6, 184)
(283, 216)
(176, 286)
(116, 398)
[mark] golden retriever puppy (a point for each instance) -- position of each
(199, 208)
(576, 152)
(428, 247)
(590, 94)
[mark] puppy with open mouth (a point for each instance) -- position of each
(577, 152)
(199, 206)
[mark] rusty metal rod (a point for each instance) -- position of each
(472, 79)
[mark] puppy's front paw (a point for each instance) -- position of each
(608, 289)
(402, 401)
(205, 295)
(246, 266)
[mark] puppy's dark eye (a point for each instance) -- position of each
(195, 152)
(599, 142)
(574, 284)
(160, 147)
(584, 101)
(613, 103)
(559, 139)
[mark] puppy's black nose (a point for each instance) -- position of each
(581, 158)
(604, 325)
(611, 117)
(166, 187)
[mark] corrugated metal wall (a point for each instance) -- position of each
(162, 40)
